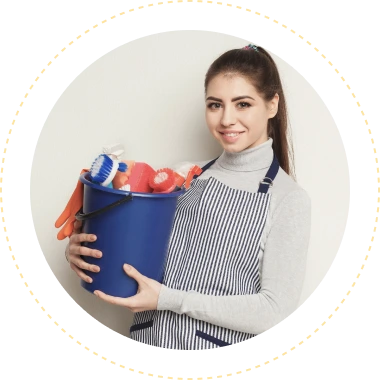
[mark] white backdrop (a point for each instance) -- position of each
(149, 95)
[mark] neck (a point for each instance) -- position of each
(256, 158)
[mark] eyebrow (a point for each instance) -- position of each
(233, 100)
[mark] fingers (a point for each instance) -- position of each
(133, 273)
(131, 302)
(78, 262)
(76, 249)
(82, 237)
(110, 299)
(79, 250)
(78, 226)
(80, 273)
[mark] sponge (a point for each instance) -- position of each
(139, 178)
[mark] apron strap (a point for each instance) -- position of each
(265, 183)
(205, 167)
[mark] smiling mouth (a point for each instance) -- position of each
(231, 134)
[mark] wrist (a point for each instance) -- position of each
(170, 299)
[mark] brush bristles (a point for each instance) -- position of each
(160, 177)
(163, 180)
(101, 168)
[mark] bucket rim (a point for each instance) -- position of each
(86, 182)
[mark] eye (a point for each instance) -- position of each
(243, 105)
(213, 105)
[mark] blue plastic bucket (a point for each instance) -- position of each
(132, 228)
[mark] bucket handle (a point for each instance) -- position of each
(80, 216)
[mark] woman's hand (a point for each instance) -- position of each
(146, 297)
(74, 250)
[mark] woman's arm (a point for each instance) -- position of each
(283, 272)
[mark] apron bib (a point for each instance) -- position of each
(213, 249)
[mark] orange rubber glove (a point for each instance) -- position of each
(68, 215)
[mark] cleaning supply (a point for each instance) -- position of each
(131, 228)
(114, 150)
(185, 172)
(104, 168)
(195, 170)
(139, 178)
(127, 176)
(121, 178)
(68, 214)
(183, 168)
(75, 203)
(179, 180)
(162, 181)
(126, 188)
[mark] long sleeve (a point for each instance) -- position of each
(283, 272)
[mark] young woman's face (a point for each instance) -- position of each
(235, 113)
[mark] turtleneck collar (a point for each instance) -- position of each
(256, 158)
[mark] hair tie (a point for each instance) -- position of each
(250, 46)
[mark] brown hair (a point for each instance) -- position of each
(260, 69)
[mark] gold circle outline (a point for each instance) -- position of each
(308, 44)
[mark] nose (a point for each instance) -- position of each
(228, 117)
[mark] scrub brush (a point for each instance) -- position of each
(163, 181)
(104, 169)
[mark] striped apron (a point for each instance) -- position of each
(213, 249)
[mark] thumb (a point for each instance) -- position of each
(133, 272)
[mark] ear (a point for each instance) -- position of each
(272, 106)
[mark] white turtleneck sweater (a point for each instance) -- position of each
(282, 256)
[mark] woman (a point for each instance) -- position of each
(237, 253)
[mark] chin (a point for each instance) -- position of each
(233, 149)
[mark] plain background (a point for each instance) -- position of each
(149, 95)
